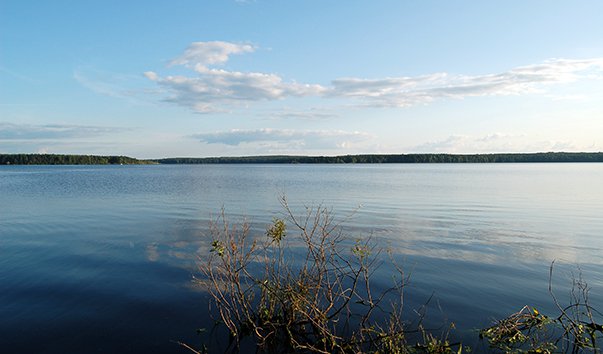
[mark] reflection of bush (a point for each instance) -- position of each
(306, 288)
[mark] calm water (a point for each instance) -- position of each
(100, 258)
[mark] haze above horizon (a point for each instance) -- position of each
(233, 78)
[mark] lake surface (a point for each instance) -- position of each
(101, 258)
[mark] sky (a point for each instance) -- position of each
(153, 79)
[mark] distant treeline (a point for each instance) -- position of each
(406, 158)
(51, 159)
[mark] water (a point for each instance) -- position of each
(100, 258)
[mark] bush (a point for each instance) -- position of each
(306, 290)
(303, 287)
(574, 330)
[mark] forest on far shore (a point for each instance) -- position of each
(55, 159)
(398, 158)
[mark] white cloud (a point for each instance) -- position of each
(151, 75)
(201, 54)
(307, 139)
(215, 90)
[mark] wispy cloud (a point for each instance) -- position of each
(17, 75)
(59, 138)
(408, 91)
(11, 131)
(308, 139)
(311, 114)
(134, 88)
(214, 90)
(497, 143)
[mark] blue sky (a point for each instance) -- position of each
(154, 79)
